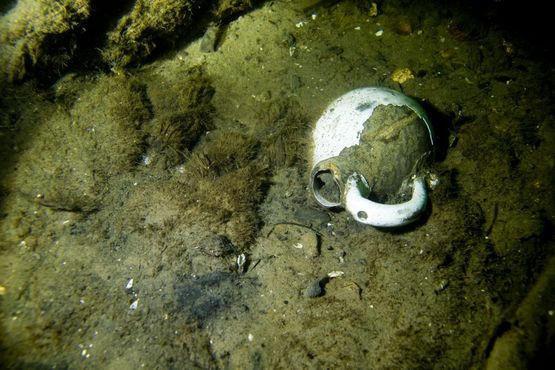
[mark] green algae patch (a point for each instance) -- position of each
(76, 150)
(47, 36)
(40, 34)
(228, 8)
(153, 25)
(225, 201)
(182, 108)
(147, 24)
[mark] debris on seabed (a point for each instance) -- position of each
(241, 260)
(316, 287)
(373, 9)
(443, 284)
(134, 305)
(402, 75)
(335, 274)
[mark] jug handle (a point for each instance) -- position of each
(376, 214)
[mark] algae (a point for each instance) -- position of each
(40, 34)
(148, 23)
(76, 150)
(152, 24)
(45, 38)
(182, 110)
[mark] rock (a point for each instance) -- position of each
(403, 27)
(309, 242)
(209, 40)
(216, 245)
(314, 289)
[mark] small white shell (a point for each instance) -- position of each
(134, 305)
(335, 274)
(241, 259)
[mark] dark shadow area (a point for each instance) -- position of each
(10, 134)
(444, 127)
(6, 5)
(214, 294)
(529, 24)
(105, 15)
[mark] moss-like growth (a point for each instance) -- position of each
(44, 34)
(224, 183)
(39, 34)
(75, 151)
(228, 151)
(230, 201)
(226, 176)
(183, 110)
(150, 22)
(282, 138)
(229, 8)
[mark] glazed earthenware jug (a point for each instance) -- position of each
(372, 147)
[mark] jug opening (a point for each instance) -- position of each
(326, 189)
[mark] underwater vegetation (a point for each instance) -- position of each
(43, 38)
(40, 35)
